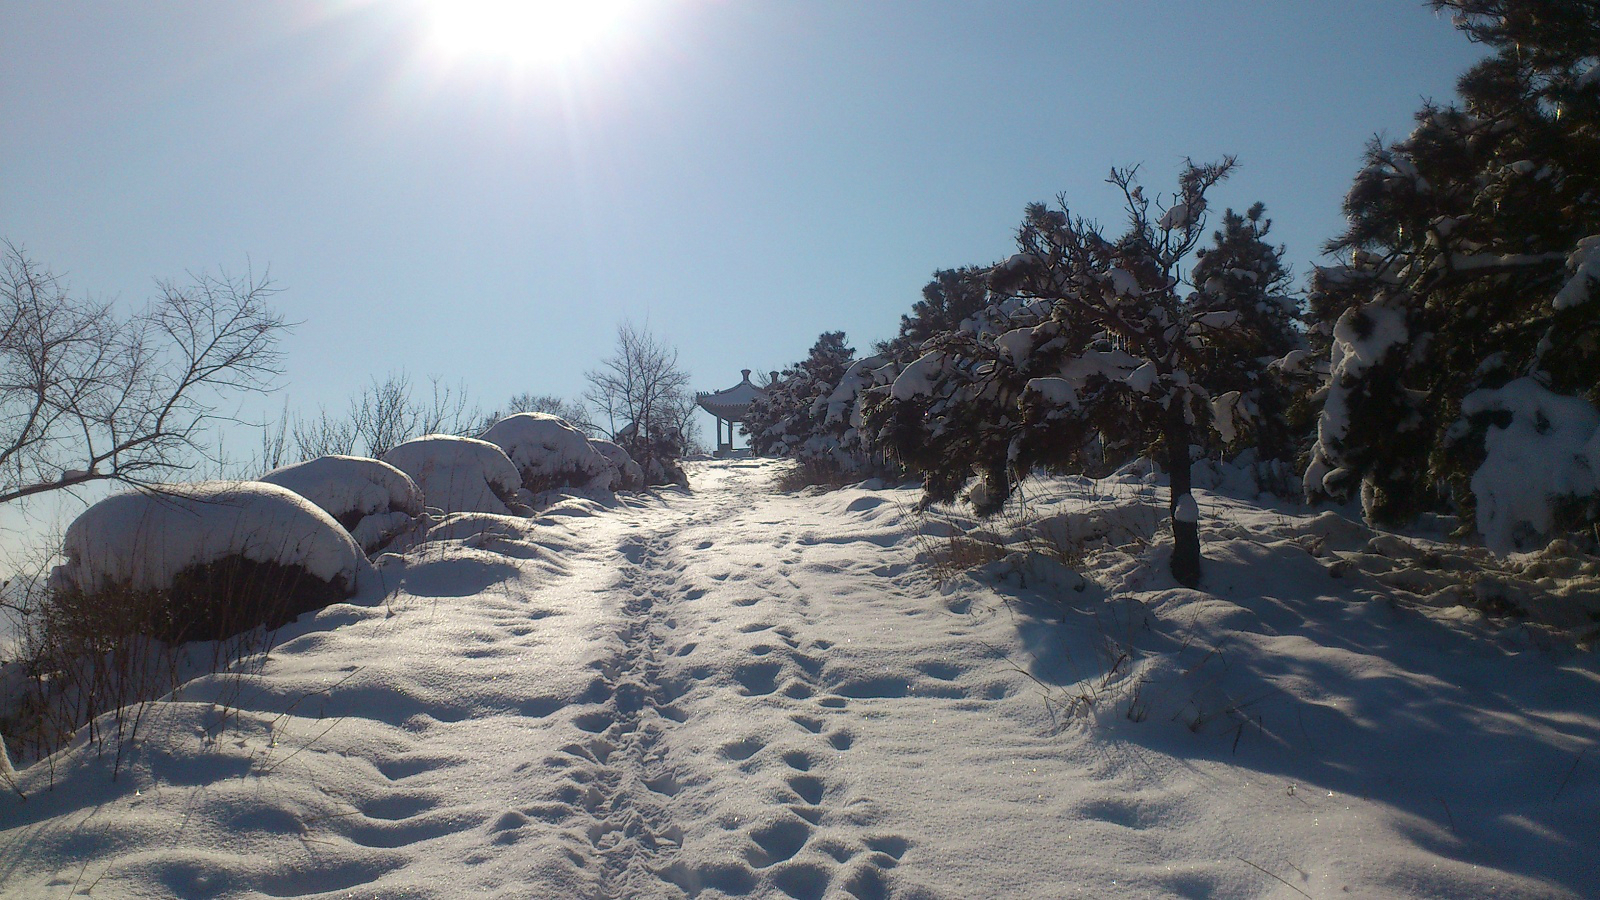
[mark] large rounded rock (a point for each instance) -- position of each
(459, 474)
(372, 499)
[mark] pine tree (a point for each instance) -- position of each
(781, 422)
(1080, 336)
(950, 298)
(1242, 366)
(1474, 246)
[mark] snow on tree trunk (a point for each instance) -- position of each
(1181, 505)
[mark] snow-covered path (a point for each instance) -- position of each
(535, 709)
(740, 693)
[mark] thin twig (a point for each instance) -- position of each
(1273, 877)
(1568, 777)
(319, 737)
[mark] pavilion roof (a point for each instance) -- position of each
(730, 404)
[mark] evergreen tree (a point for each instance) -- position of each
(1474, 247)
(781, 422)
(950, 298)
(1243, 274)
(1081, 335)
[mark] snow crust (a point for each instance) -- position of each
(1125, 283)
(738, 693)
(1142, 379)
(1066, 389)
(1224, 410)
(458, 474)
(917, 380)
(1548, 453)
(144, 538)
(1217, 320)
(381, 499)
(550, 453)
(1180, 216)
(1355, 353)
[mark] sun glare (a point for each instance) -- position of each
(522, 31)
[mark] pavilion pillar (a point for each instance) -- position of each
(728, 408)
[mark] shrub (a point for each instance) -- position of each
(458, 474)
(373, 500)
(549, 453)
(627, 475)
(198, 562)
(145, 573)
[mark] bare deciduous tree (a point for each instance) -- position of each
(89, 395)
(641, 389)
(383, 415)
(640, 385)
(573, 411)
(446, 411)
(324, 435)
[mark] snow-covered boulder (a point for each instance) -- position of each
(372, 499)
(549, 453)
(460, 474)
(627, 475)
(203, 561)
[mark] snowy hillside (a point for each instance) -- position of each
(741, 693)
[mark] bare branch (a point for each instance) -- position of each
(86, 395)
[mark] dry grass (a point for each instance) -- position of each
(952, 544)
(82, 655)
(812, 473)
(1102, 672)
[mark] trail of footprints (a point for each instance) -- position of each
(820, 838)
(825, 839)
(619, 791)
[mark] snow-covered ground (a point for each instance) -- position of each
(740, 693)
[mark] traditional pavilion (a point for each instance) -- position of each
(729, 407)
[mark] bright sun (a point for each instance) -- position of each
(522, 31)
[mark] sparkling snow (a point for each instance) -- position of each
(741, 693)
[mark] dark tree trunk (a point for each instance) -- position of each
(1185, 534)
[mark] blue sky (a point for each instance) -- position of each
(741, 175)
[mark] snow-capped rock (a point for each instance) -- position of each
(549, 453)
(627, 475)
(141, 539)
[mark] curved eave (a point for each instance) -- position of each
(732, 403)
(733, 412)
